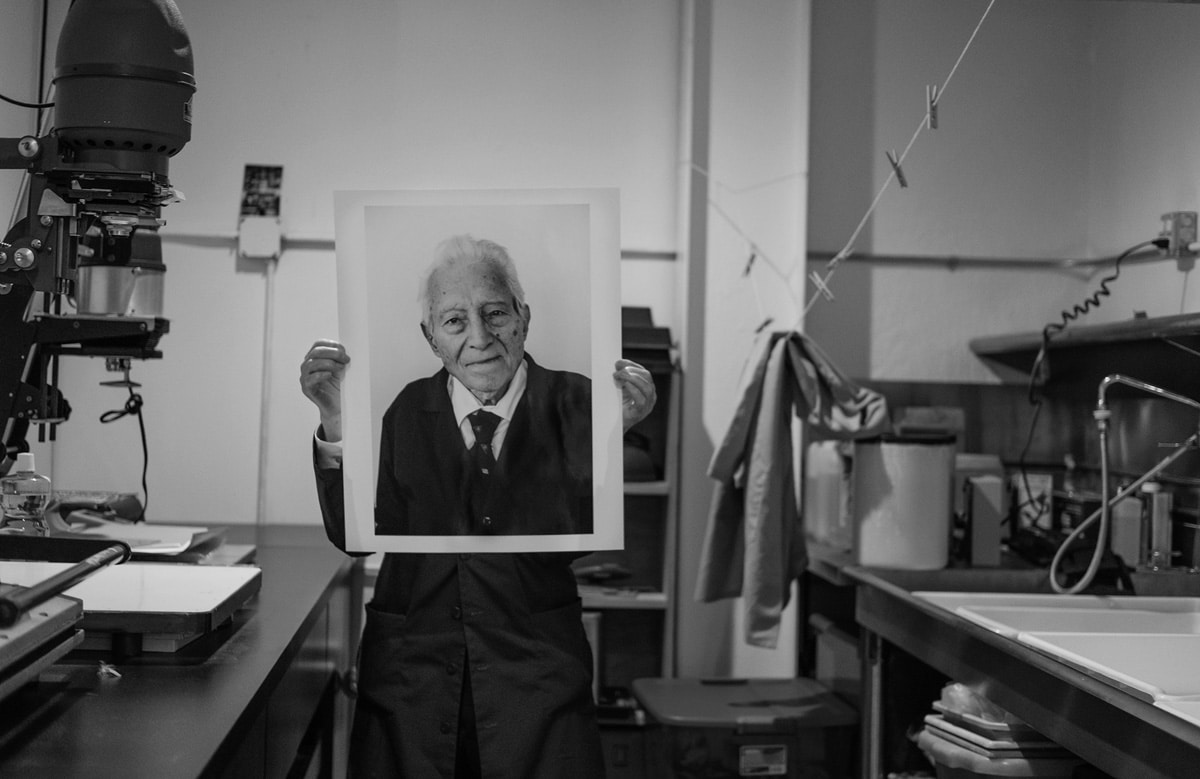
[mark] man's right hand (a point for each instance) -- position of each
(321, 381)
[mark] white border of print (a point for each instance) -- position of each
(566, 245)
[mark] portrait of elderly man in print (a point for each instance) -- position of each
(494, 443)
(483, 329)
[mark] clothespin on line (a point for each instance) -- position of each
(933, 95)
(821, 284)
(750, 262)
(892, 158)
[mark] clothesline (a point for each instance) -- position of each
(821, 282)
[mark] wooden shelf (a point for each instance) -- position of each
(829, 562)
(600, 597)
(1164, 351)
(633, 611)
(647, 488)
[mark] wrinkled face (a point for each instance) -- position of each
(476, 327)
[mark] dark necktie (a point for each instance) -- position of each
(483, 462)
(484, 423)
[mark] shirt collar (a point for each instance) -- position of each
(465, 403)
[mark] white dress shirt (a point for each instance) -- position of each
(329, 454)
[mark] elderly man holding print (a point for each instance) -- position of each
(474, 665)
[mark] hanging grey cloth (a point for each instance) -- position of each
(754, 543)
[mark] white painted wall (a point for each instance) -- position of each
(757, 184)
(365, 94)
(759, 189)
(1066, 132)
(1145, 159)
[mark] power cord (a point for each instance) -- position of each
(42, 118)
(133, 407)
(24, 104)
(1039, 374)
(40, 106)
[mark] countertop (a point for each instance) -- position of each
(186, 713)
(1111, 729)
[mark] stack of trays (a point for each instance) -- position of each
(964, 745)
(38, 639)
(991, 739)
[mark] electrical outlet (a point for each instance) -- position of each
(1179, 228)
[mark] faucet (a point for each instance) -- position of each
(1116, 378)
(1102, 414)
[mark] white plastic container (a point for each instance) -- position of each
(901, 501)
(826, 495)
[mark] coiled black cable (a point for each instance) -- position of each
(1039, 375)
(133, 407)
(24, 104)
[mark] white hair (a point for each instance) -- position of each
(463, 249)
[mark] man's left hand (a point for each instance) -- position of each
(637, 391)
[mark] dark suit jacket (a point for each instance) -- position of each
(512, 621)
(543, 478)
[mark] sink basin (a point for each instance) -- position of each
(1014, 621)
(1176, 584)
(1144, 645)
(1157, 667)
(1188, 710)
(1013, 613)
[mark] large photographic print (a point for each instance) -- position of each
(478, 410)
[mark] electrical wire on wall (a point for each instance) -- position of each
(41, 105)
(259, 212)
(1039, 374)
(43, 101)
(23, 104)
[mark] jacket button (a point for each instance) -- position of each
(450, 669)
(456, 613)
(487, 521)
(445, 728)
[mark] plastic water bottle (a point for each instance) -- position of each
(1156, 527)
(24, 494)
